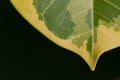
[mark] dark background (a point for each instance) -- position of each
(25, 54)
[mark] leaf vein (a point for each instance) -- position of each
(101, 15)
(52, 1)
(112, 4)
(81, 34)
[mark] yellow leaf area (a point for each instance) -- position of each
(107, 38)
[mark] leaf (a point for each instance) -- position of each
(86, 27)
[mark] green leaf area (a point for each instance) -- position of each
(78, 20)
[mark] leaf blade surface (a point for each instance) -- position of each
(86, 27)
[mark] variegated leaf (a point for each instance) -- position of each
(86, 27)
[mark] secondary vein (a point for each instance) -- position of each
(112, 4)
(47, 7)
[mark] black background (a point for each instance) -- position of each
(25, 54)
